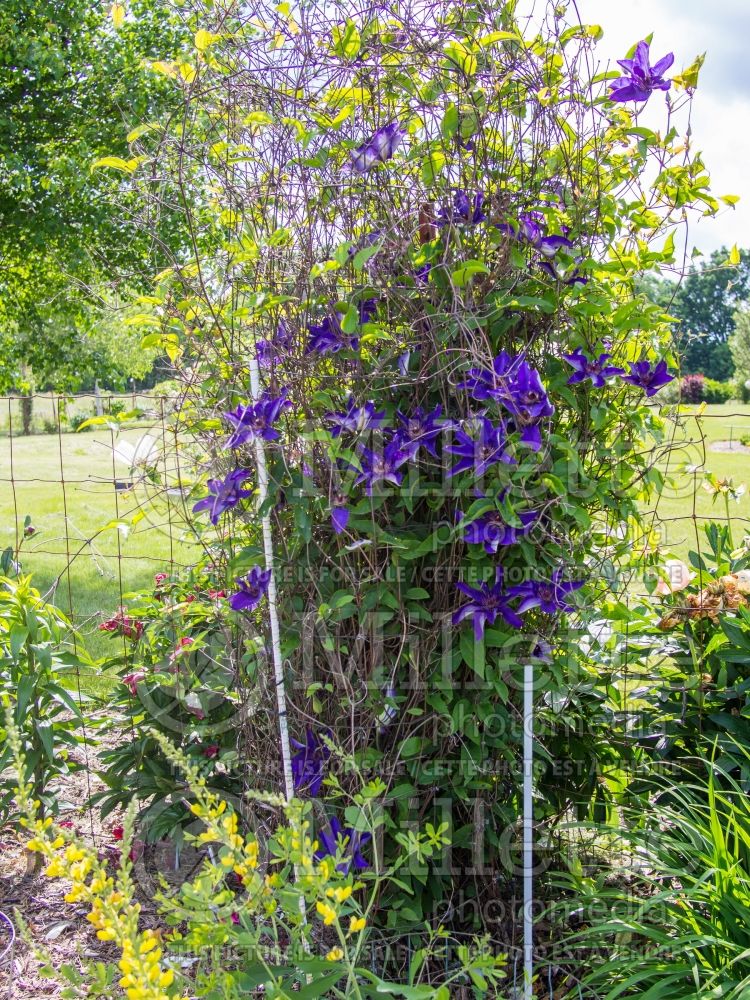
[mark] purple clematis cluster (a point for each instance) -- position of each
(641, 79)
(492, 531)
(490, 601)
(597, 370)
(251, 589)
(647, 378)
(466, 209)
(254, 421)
(268, 349)
(308, 767)
(224, 494)
(479, 448)
(529, 231)
(355, 419)
(518, 387)
(344, 842)
(309, 762)
(378, 149)
(328, 337)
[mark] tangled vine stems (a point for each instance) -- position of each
(383, 205)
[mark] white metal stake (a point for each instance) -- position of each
(273, 613)
(528, 828)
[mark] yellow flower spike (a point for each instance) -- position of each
(335, 955)
(327, 912)
(357, 924)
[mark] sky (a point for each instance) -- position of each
(721, 108)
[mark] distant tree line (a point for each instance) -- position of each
(712, 328)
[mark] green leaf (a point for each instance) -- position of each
(350, 322)
(432, 166)
(450, 122)
(346, 40)
(463, 274)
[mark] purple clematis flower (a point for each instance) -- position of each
(518, 387)
(486, 603)
(464, 209)
(596, 369)
(641, 79)
(529, 230)
(381, 467)
(572, 276)
(420, 430)
(252, 590)
(345, 841)
(647, 378)
(480, 452)
(308, 763)
(355, 419)
(491, 531)
(328, 337)
(268, 348)
(254, 420)
(548, 596)
(378, 149)
(224, 494)
(339, 517)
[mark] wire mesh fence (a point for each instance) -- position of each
(92, 509)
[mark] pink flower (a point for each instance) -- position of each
(159, 579)
(183, 646)
(123, 624)
(131, 681)
(197, 712)
(235, 918)
(211, 751)
(66, 824)
(678, 577)
(118, 832)
(217, 595)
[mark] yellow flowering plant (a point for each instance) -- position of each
(270, 913)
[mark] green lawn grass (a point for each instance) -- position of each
(92, 543)
(686, 506)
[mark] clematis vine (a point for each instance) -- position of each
(596, 369)
(382, 466)
(549, 596)
(251, 421)
(345, 842)
(224, 494)
(641, 79)
(647, 378)
(486, 448)
(465, 209)
(378, 149)
(355, 419)
(420, 430)
(252, 588)
(518, 387)
(309, 762)
(492, 531)
(487, 603)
